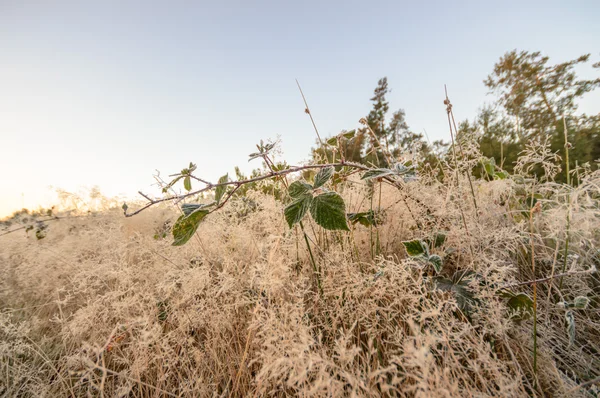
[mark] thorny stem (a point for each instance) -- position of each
(272, 174)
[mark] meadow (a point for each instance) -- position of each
(432, 282)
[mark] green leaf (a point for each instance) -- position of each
(416, 248)
(170, 184)
(189, 208)
(187, 183)
(501, 175)
(366, 218)
(570, 318)
(436, 261)
(220, 189)
(163, 310)
(323, 176)
(401, 169)
(186, 226)
(254, 156)
(521, 306)
(299, 188)
(376, 173)
(459, 285)
(295, 211)
(332, 141)
(329, 211)
(580, 302)
(437, 240)
(490, 166)
(349, 135)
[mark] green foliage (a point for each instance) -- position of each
(398, 169)
(186, 225)
(416, 248)
(323, 176)
(189, 208)
(183, 174)
(520, 305)
(580, 302)
(436, 262)
(570, 326)
(437, 240)
(299, 188)
(458, 284)
(163, 310)
(295, 211)
(220, 189)
(367, 218)
(329, 211)
(420, 250)
(536, 96)
(377, 173)
(263, 150)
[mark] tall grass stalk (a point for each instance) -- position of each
(567, 170)
(534, 210)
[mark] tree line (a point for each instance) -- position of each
(535, 101)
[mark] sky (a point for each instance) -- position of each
(103, 93)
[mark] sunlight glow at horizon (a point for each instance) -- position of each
(105, 93)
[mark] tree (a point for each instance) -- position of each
(374, 143)
(498, 138)
(376, 122)
(396, 137)
(536, 93)
(542, 98)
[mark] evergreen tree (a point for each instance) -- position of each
(541, 98)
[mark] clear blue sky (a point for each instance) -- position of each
(105, 92)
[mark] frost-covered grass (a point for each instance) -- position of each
(104, 306)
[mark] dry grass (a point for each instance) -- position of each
(101, 308)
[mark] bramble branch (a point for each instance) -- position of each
(237, 184)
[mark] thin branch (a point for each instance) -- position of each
(201, 180)
(549, 278)
(36, 221)
(145, 196)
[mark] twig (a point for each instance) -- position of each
(549, 278)
(587, 383)
(36, 221)
(145, 196)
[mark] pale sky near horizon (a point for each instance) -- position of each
(103, 93)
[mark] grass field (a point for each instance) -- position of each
(104, 305)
